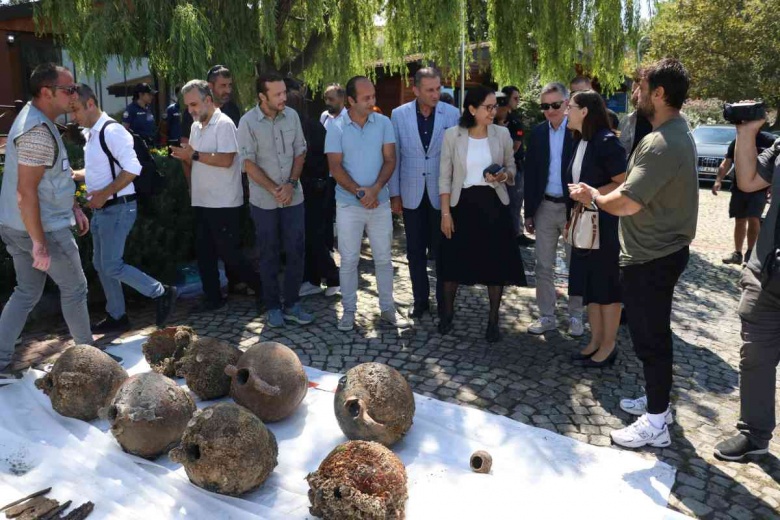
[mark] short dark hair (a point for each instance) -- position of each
(218, 71)
(351, 87)
(597, 118)
(425, 72)
(264, 79)
(446, 97)
(86, 93)
(44, 75)
(509, 90)
(474, 97)
(614, 120)
(580, 79)
(670, 74)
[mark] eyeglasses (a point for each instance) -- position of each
(555, 106)
(490, 108)
(574, 106)
(69, 89)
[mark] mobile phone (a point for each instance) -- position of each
(494, 169)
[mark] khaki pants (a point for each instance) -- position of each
(549, 221)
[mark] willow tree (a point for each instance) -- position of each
(330, 40)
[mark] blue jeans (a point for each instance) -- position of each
(276, 229)
(110, 227)
(67, 273)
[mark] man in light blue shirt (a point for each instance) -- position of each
(557, 136)
(360, 146)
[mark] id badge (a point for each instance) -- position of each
(65, 164)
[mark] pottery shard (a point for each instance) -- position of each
(203, 367)
(82, 381)
(166, 346)
(149, 414)
(227, 449)
(358, 480)
(269, 380)
(374, 402)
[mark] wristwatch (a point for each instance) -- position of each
(293, 183)
(360, 194)
(195, 156)
(593, 205)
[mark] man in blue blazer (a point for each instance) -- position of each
(414, 187)
(546, 195)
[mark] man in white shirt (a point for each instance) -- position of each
(210, 160)
(334, 104)
(112, 198)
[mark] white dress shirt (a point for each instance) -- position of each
(97, 168)
(326, 118)
(576, 169)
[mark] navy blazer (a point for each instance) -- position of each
(537, 166)
(604, 158)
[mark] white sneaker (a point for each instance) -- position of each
(641, 433)
(347, 321)
(576, 329)
(395, 318)
(308, 289)
(332, 291)
(639, 407)
(542, 325)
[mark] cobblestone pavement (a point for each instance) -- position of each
(530, 379)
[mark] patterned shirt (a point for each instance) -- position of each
(37, 147)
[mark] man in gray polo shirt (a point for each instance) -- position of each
(361, 154)
(273, 151)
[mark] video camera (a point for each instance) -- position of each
(738, 113)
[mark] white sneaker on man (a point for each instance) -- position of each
(395, 318)
(347, 322)
(641, 433)
(332, 291)
(542, 325)
(309, 289)
(576, 328)
(639, 407)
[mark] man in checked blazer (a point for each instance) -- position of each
(414, 187)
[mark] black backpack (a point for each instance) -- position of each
(150, 182)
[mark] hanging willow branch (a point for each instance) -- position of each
(339, 38)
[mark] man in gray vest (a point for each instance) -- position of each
(37, 210)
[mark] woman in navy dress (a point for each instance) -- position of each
(599, 161)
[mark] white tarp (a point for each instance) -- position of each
(536, 473)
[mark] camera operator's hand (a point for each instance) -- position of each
(716, 187)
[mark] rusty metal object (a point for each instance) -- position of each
(481, 462)
(203, 367)
(227, 449)
(358, 480)
(269, 380)
(149, 414)
(166, 346)
(374, 403)
(82, 381)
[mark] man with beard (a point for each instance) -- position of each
(273, 151)
(414, 187)
(634, 127)
(220, 82)
(211, 161)
(658, 207)
(334, 104)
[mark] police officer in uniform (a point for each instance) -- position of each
(138, 116)
(172, 118)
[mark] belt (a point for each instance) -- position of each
(557, 200)
(125, 199)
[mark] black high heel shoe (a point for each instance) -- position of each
(493, 333)
(579, 356)
(445, 325)
(609, 361)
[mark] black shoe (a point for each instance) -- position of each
(734, 258)
(589, 363)
(578, 356)
(524, 241)
(737, 448)
(209, 306)
(109, 324)
(493, 334)
(445, 325)
(747, 256)
(165, 304)
(418, 311)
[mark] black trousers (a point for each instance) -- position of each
(318, 205)
(423, 232)
(218, 236)
(648, 290)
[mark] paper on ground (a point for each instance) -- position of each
(536, 473)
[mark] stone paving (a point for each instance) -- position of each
(530, 378)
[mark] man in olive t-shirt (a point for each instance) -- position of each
(658, 207)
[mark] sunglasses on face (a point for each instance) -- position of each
(555, 106)
(69, 89)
